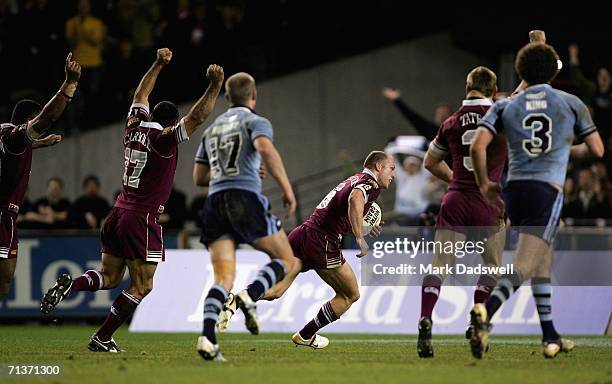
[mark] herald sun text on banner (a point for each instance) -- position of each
(182, 282)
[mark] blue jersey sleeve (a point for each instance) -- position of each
(584, 122)
(260, 127)
(492, 119)
(201, 156)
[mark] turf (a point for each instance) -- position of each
(271, 358)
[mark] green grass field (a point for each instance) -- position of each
(271, 358)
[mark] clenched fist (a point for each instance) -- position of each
(537, 36)
(214, 73)
(164, 55)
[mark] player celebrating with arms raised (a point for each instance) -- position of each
(540, 124)
(29, 121)
(131, 236)
(463, 206)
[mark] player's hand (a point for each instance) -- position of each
(214, 73)
(290, 204)
(72, 69)
(262, 172)
(91, 220)
(492, 193)
(164, 55)
(537, 36)
(391, 94)
(47, 141)
(363, 246)
(376, 230)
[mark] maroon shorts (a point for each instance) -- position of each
(316, 249)
(8, 236)
(466, 209)
(133, 235)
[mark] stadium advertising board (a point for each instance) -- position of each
(181, 284)
(41, 260)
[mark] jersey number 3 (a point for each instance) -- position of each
(466, 139)
(138, 159)
(541, 138)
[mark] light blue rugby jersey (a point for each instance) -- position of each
(227, 148)
(540, 124)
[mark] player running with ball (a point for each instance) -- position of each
(318, 245)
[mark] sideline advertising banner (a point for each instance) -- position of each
(41, 260)
(182, 282)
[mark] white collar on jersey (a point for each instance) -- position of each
(240, 107)
(473, 102)
(151, 124)
(369, 172)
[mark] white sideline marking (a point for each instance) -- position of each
(584, 342)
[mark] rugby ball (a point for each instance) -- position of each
(371, 218)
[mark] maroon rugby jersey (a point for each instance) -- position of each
(15, 166)
(331, 215)
(456, 135)
(151, 154)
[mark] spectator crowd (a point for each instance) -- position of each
(54, 211)
(114, 41)
(587, 189)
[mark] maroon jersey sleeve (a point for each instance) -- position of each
(171, 136)
(368, 187)
(15, 139)
(138, 113)
(439, 144)
(331, 215)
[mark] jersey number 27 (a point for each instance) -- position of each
(138, 159)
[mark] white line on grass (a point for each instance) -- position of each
(596, 343)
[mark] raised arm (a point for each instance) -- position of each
(147, 83)
(205, 105)
(274, 164)
(55, 107)
(423, 126)
(535, 36)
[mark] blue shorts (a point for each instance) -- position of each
(534, 207)
(236, 214)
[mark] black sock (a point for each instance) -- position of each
(506, 286)
(213, 304)
(542, 291)
(269, 275)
